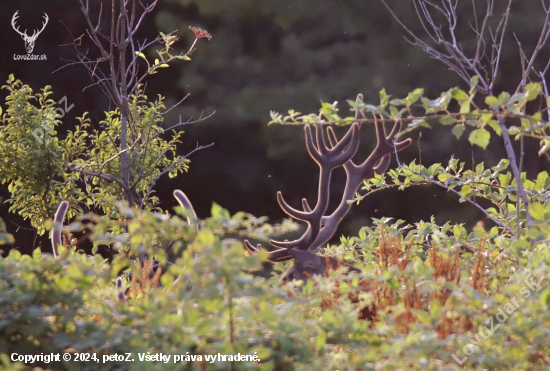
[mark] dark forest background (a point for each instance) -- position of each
(270, 55)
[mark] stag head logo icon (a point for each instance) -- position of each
(29, 40)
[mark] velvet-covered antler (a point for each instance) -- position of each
(58, 226)
(320, 227)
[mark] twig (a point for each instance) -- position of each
(442, 185)
(515, 171)
(175, 105)
(110, 179)
(197, 148)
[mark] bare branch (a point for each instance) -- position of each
(515, 171)
(108, 178)
(175, 105)
(543, 38)
(450, 51)
(172, 165)
(443, 185)
(497, 47)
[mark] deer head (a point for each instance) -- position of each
(29, 40)
(321, 227)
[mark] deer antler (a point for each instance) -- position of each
(376, 163)
(320, 227)
(36, 32)
(24, 34)
(13, 19)
(327, 159)
(58, 226)
(186, 204)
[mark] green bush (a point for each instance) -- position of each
(211, 302)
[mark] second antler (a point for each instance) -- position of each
(320, 227)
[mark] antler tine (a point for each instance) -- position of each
(16, 28)
(186, 204)
(382, 164)
(36, 32)
(321, 228)
(305, 205)
(385, 144)
(58, 226)
(377, 162)
(321, 144)
(251, 248)
(276, 256)
(327, 158)
(336, 155)
(289, 210)
(359, 114)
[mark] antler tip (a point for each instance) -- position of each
(250, 247)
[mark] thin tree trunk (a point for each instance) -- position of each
(515, 171)
(124, 111)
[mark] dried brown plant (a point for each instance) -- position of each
(147, 279)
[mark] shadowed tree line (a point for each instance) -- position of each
(269, 55)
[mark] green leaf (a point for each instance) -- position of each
(460, 232)
(486, 117)
(140, 54)
(321, 339)
(423, 317)
(491, 100)
(473, 83)
(503, 97)
(495, 126)
(458, 130)
(447, 120)
(533, 89)
(542, 180)
(384, 98)
(480, 137)
(480, 168)
(459, 94)
(545, 298)
(414, 96)
(536, 210)
(167, 280)
(465, 107)
(502, 165)
(466, 190)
